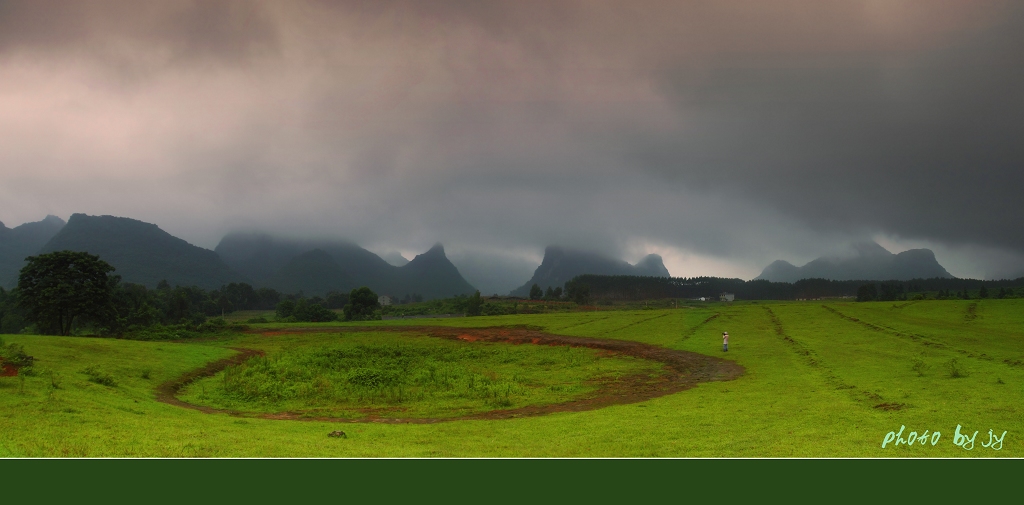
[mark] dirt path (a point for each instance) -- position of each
(683, 370)
(167, 392)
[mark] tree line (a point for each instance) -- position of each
(65, 290)
(632, 288)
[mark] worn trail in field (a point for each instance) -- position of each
(921, 339)
(830, 375)
(682, 370)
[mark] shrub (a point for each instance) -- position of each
(285, 308)
(956, 369)
(312, 312)
(374, 378)
(99, 377)
(15, 355)
(920, 367)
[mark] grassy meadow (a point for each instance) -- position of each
(823, 378)
(387, 374)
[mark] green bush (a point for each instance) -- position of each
(374, 378)
(15, 355)
(956, 369)
(99, 377)
(920, 367)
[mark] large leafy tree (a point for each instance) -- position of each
(58, 288)
(362, 305)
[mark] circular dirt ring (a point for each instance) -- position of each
(682, 370)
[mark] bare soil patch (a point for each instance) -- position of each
(7, 370)
(682, 370)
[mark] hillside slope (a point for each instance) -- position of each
(867, 261)
(22, 241)
(142, 253)
(318, 266)
(560, 265)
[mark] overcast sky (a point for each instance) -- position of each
(722, 135)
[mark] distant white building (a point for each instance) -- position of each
(384, 300)
(727, 297)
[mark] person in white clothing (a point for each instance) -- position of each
(725, 341)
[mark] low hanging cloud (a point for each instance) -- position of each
(721, 134)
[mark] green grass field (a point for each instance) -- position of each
(387, 374)
(822, 379)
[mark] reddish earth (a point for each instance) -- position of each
(682, 370)
(8, 370)
(166, 392)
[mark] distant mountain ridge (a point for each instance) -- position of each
(142, 253)
(561, 265)
(318, 266)
(869, 262)
(23, 241)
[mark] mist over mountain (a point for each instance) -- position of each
(560, 265)
(318, 266)
(865, 261)
(314, 273)
(494, 272)
(22, 241)
(395, 258)
(142, 253)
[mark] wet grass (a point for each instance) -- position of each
(394, 375)
(823, 379)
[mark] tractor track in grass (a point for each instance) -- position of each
(642, 321)
(682, 370)
(920, 339)
(971, 313)
(693, 331)
(577, 325)
(830, 376)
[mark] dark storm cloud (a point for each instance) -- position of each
(734, 132)
(924, 145)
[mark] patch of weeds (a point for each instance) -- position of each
(99, 377)
(14, 354)
(999, 380)
(957, 369)
(54, 380)
(920, 367)
(257, 320)
(145, 374)
(374, 378)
